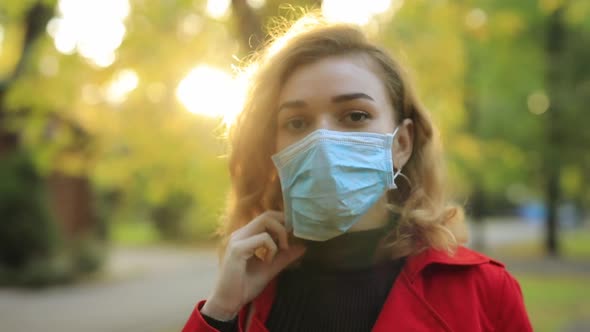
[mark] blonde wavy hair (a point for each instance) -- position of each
(426, 217)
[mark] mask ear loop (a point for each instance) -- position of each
(395, 213)
(399, 171)
(394, 194)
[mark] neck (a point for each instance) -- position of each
(348, 251)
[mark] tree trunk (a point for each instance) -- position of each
(554, 48)
(35, 21)
(71, 202)
(249, 25)
(70, 197)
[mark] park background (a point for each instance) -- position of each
(112, 167)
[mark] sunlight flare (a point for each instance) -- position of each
(1, 38)
(94, 29)
(355, 11)
(122, 84)
(211, 92)
(218, 8)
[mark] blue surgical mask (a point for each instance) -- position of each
(330, 179)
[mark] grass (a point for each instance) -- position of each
(134, 234)
(577, 244)
(144, 234)
(553, 302)
(560, 299)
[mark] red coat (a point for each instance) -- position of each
(434, 292)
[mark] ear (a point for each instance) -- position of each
(403, 144)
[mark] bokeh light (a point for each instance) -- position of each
(122, 84)
(256, 4)
(538, 102)
(48, 65)
(218, 8)
(190, 25)
(1, 38)
(95, 29)
(476, 18)
(354, 11)
(211, 92)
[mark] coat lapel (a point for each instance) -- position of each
(406, 307)
(254, 321)
(406, 310)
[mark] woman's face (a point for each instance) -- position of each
(337, 93)
(341, 93)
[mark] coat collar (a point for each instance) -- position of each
(406, 307)
(417, 263)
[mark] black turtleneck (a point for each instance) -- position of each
(339, 285)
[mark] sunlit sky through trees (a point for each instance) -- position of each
(96, 29)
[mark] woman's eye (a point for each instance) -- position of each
(296, 124)
(356, 116)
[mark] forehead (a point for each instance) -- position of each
(332, 76)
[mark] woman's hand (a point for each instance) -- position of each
(242, 274)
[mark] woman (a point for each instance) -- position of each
(324, 232)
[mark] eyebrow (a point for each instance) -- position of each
(336, 99)
(293, 104)
(351, 96)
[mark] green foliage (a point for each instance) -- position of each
(27, 231)
(148, 148)
(477, 65)
(38, 273)
(169, 216)
(87, 255)
(69, 263)
(32, 253)
(15, 9)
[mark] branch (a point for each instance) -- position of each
(35, 23)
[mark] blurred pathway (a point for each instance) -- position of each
(496, 232)
(147, 290)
